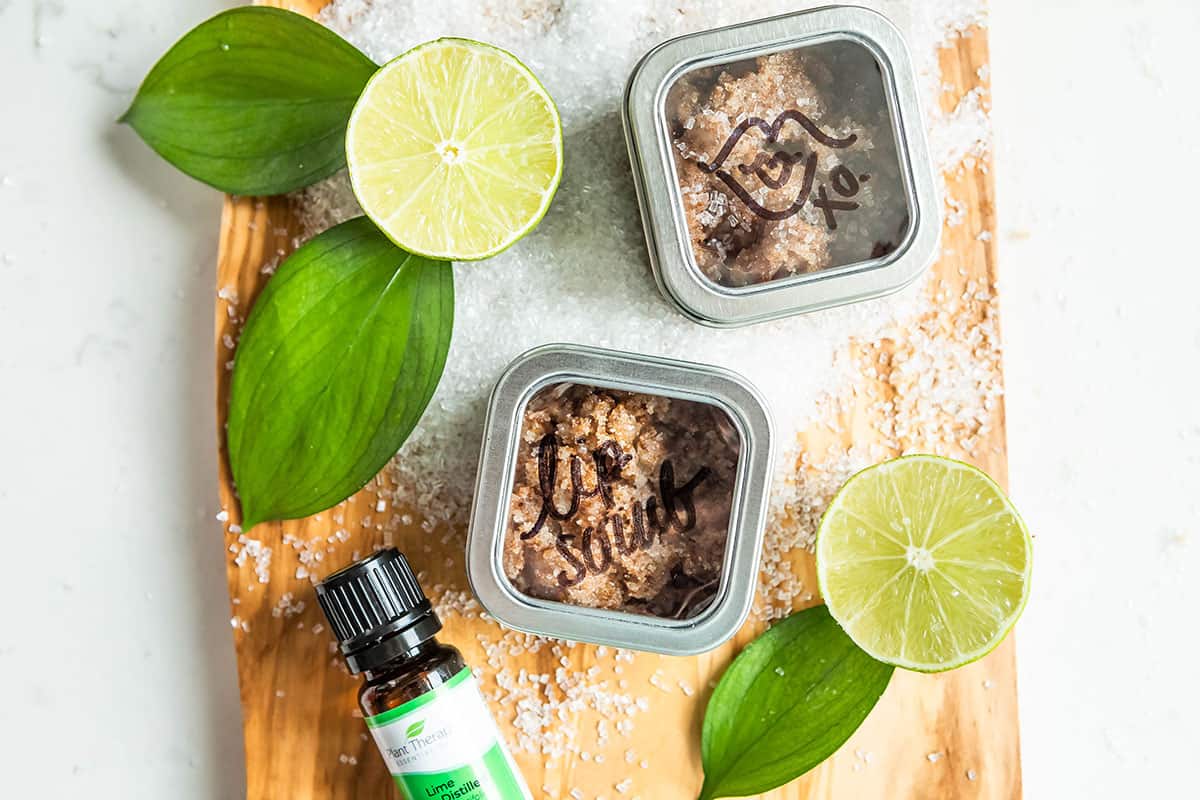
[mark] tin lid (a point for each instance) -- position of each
(781, 165)
(491, 516)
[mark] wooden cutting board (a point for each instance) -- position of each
(303, 738)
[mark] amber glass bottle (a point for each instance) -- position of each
(420, 700)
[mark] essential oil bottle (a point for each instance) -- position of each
(420, 700)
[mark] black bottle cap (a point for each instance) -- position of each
(377, 610)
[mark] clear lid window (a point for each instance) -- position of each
(621, 500)
(787, 163)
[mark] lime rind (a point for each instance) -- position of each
(877, 593)
(359, 170)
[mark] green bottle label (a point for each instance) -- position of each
(444, 745)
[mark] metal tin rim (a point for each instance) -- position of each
(556, 363)
(666, 232)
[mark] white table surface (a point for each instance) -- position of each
(116, 659)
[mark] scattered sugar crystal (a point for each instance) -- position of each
(288, 606)
(971, 775)
(934, 757)
(248, 549)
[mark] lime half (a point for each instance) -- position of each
(454, 150)
(924, 562)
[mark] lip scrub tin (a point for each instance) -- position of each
(781, 165)
(620, 499)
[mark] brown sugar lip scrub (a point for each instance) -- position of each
(620, 499)
(806, 180)
(781, 165)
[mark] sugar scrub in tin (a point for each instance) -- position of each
(621, 500)
(787, 164)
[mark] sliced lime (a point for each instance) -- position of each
(454, 150)
(924, 562)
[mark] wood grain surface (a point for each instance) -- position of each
(302, 735)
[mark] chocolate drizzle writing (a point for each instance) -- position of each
(844, 182)
(672, 509)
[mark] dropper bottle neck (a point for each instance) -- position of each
(401, 661)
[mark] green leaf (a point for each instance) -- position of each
(786, 703)
(415, 729)
(253, 101)
(336, 364)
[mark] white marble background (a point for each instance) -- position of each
(116, 663)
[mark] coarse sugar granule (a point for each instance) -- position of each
(287, 606)
(247, 549)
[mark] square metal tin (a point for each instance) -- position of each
(666, 229)
(566, 363)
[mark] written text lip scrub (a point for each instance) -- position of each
(620, 499)
(781, 165)
(420, 700)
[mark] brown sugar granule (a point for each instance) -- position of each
(640, 489)
(787, 164)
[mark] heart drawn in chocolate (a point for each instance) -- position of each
(781, 160)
